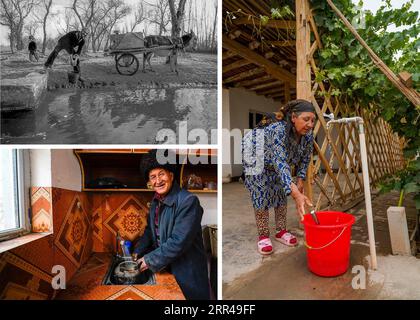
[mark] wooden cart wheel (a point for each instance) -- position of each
(127, 64)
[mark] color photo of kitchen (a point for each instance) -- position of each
(85, 214)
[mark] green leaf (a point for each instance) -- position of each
(417, 200)
(411, 187)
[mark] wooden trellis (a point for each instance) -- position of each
(336, 169)
(276, 60)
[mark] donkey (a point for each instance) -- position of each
(187, 40)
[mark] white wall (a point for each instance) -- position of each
(40, 164)
(209, 204)
(241, 102)
(66, 172)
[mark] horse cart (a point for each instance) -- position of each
(125, 46)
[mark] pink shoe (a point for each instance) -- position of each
(286, 238)
(265, 247)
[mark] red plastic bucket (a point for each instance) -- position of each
(328, 244)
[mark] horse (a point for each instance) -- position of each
(187, 40)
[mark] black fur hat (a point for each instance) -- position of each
(151, 161)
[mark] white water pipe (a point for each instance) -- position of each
(366, 183)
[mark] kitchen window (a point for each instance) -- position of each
(13, 194)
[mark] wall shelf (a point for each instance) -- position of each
(123, 165)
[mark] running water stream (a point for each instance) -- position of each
(110, 116)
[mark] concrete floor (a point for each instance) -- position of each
(284, 274)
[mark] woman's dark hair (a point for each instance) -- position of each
(297, 107)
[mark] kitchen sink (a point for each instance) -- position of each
(114, 277)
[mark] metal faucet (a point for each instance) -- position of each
(365, 173)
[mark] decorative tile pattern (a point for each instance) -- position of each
(130, 219)
(129, 293)
(20, 279)
(13, 291)
(97, 224)
(41, 204)
(73, 235)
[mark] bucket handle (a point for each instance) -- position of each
(331, 242)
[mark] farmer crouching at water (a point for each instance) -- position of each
(173, 238)
(69, 42)
(269, 151)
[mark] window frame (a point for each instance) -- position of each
(22, 203)
(255, 113)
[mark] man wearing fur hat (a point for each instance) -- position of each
(173, 238)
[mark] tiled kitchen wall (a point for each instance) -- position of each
(123, 212)
(82, 223)
(25, 272)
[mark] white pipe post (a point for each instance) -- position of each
(368, 201)
(366, 183)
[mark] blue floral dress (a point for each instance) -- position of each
(269, 153)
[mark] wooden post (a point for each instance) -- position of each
(303, 69)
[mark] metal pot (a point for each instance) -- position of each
(126, 272)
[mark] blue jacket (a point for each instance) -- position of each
(181, 242)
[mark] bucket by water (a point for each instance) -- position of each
(328, 244)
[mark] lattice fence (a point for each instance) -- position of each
(336, 167)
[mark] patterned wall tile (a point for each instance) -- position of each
(129, 293)
(39, 253)
(129, 219)
(73, 235)
(21, 280)
(41, 204)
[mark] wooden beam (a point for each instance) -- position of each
(315, 30)
(254, 81)
(406, 78)
(275, 95)
(271, 23)
(270, 91)
(285, 43)
(265, 85)
(410, 93)
(303, 70)
(269, 55)
(270, 67)
(243, 75)
(254, 44)
(234, 34)
(228, 54)
(235, 65)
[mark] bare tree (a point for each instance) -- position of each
(177, 16)
(70, 23)
(159, 15)
(139, 16)
(213, 36)
(118, 12)
(31, 28)
(85, 11)
(42, 17)
(13, 14)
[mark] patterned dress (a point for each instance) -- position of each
(269, 153)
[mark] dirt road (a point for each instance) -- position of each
(100, 70)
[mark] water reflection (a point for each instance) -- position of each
(110, 116)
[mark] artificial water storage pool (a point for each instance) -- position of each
(111, 115)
